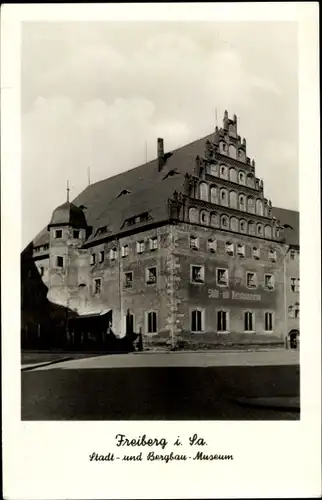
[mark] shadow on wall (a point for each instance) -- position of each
(45, 325)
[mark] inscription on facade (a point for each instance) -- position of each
(218, 294)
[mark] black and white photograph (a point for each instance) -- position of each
(159, 258)
(161, 229)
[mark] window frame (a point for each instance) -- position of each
(63, 259)
(197, 242)
(147, 270)
(78, 233)
(226, 270)
(113, 253)
(202, 311)
(151, 311)
(153, 243)
(255, 280)
(273, 279)
(125, 253)
(140, 247)
(125, 285)
(253, 329)
(202, 267)
(101, 257)
(272, 321)
(60, 231)
(223, 332)
(95, 280)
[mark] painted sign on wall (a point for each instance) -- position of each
(227, 294)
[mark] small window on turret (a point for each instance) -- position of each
(76, 234)
(58, 234)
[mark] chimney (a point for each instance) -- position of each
(160, 153)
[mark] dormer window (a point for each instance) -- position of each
(122, 193)
(58, 234)
(194, 243)
(255, 253)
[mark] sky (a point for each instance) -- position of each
(98, 94)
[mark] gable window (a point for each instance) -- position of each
(58, 234)
(128, 279)
(224, 221)
(151, 322)
(92, 259)
(60, 261)
(113, 253)
(194, 243)
(251, 280)
(241, 250)
(204, 217)
(197, 320)
(249, 322)
(241, 178)
(269, 281)
(197, 274)
(125, 250)
(222, 321)
(76, 234)
(243, 226)
(223, 197)
(140, 246)
(203, 191)
(153, 243)
(151, 275)
(212, 246)
(229, 248)
(222, 277)
(255, 253)
(268, 321)
(97, 286)
(260, 230)
(101, 256)
(272, 255)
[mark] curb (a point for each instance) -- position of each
(270, 403)
(46, 363)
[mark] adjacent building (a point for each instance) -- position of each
(188, 244)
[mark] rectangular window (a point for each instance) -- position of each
(197, 274)
(101, 256)
(76, 234)
(194, 243)
(151, 322)
(153, 243)
(125, 250)
(113, 253)
(222, 321)
(128, 280)
(93, 259)
(97, 286)
(60, 261)
(151, 275)
(251, 280)
(212, 246)
(269, 281)
(249, 321)
(197, 320)
(230, 248)
(241, 250)
(58, 234)
(268, 321)
(255, 253)
(140, 246)
(222, 277)
(272, 255)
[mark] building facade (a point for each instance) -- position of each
(187, 244)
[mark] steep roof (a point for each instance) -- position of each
(70, 214)
(148, 190)
(291, 218)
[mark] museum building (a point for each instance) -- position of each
(187, 244)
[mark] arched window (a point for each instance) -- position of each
(232, 151)
(214, 220)
(223, 171)
(241, 155)
(204, 217)
(250, 204)
(203, 190)
(193, 215)
(233, 199)
(259, 207)
(242, 202)
(260, 230)
(223, 147)
(223, 197)
(214, 194)
(241, 178)
(233, 175)
(214, 169)
(243, 226)
(224, 221)
(251, 228)
(234, 224)
(268, 232)
(250, 180)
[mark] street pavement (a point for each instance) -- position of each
(261, 385)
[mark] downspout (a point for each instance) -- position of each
(285, 299)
